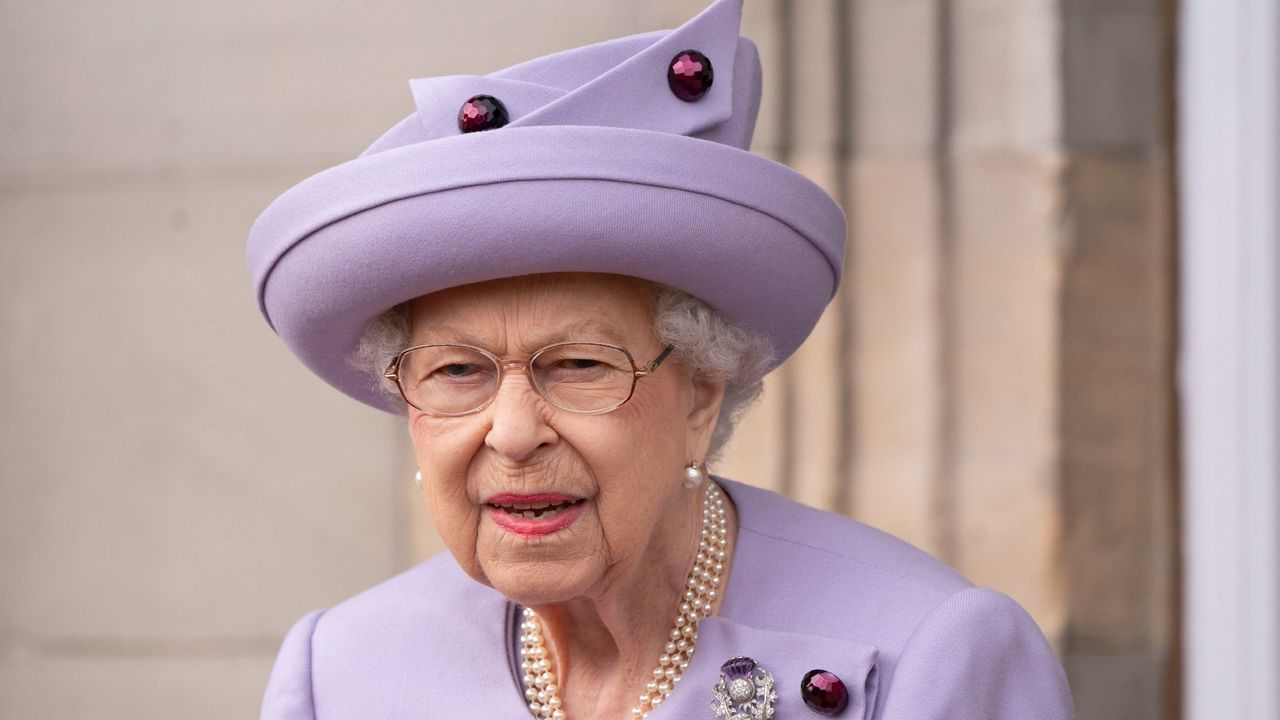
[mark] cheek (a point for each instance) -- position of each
(637, 455)
(444, 450)
(662, 422)
(639, 442)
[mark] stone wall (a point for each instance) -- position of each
(992, 384)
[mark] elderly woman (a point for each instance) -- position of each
(570, 276)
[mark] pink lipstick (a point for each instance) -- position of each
(534, 515)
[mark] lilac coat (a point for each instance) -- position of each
(911, 638)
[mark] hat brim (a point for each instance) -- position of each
(751, 237)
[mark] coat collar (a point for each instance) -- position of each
(786, 656)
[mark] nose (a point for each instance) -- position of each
(518, 417)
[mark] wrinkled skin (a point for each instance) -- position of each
(606, 586)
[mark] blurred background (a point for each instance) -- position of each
(1052, 363)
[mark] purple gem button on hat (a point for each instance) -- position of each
(627, 156)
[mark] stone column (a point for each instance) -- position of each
(994, 382)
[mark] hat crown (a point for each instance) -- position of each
(618, 83)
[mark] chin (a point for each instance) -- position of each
(540, 583)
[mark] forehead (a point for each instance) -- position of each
(527, 312)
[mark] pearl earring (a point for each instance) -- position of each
(694, 474)
(417, 479)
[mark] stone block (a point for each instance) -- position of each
(1129, 686)
(1005, 80)
(170, 469)
(106, 686)
(143, 85)
(1004, 343)
(893, 280)
(759, 22)
(1117, 417)
(815, 77)
(894, 83)
(1114, 96)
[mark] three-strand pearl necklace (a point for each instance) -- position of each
(702, 590)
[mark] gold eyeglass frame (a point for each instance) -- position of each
(392, 373)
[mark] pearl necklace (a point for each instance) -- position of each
(702, 589)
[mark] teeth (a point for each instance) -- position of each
(544, 510)
(533, 510)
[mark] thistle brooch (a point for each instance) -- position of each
(744, 692)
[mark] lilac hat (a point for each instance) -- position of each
(627, 156)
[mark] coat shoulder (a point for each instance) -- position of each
(939, 642)
(797, 567)
(862, 549)
(402, 596)
(402, 644)
(431, 602)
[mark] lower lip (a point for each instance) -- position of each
(535, 527)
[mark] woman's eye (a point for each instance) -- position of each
(458, 370)
(456, 373)
(574, 370)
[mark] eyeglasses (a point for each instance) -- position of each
(580, 377)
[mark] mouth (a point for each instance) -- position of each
(533, 511)
(531, 515)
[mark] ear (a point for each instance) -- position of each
(704, 411)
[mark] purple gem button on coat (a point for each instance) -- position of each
(824, 693)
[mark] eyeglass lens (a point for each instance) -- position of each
(456, 379)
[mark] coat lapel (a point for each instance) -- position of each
(786, 656)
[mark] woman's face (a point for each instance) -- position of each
(616, 475)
